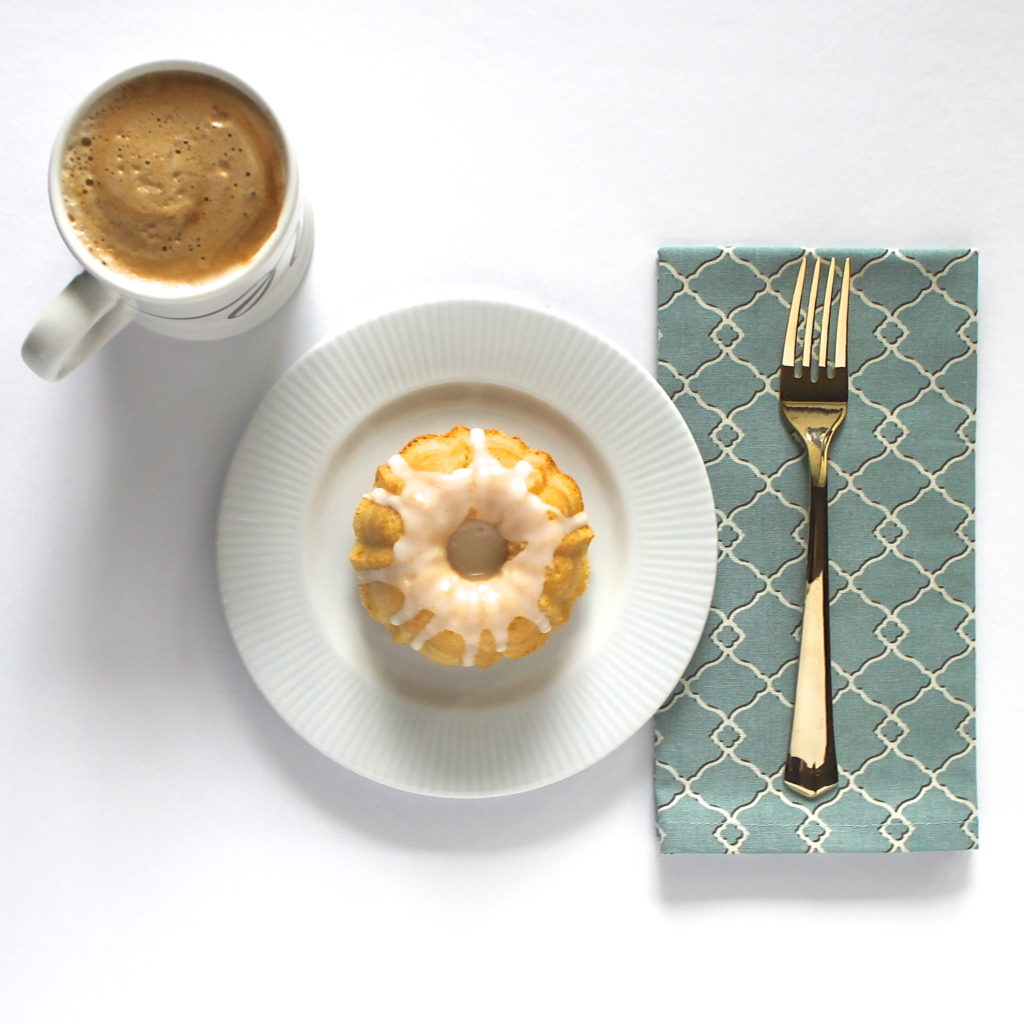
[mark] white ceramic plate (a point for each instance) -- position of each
(334, 674)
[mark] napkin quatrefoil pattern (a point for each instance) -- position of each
(901, 547)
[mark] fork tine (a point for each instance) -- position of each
(789, 348)
(826, 316)
(812, 308)
(844, 317)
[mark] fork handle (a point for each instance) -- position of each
(811, 765)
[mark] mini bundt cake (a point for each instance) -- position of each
(471, 547)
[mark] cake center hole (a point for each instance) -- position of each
(476, 550)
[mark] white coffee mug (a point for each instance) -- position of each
(100, 301)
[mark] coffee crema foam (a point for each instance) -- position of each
(175, 177)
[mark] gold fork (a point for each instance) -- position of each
(815, 405)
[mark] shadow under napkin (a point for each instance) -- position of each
(902, 558)
(774, 877)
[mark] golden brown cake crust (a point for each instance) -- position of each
(378, 527)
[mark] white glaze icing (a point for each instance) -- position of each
(432, 506)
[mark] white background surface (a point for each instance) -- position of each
(169, 850)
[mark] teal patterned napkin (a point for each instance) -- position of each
(902, 558)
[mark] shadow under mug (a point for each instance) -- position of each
(99, 302)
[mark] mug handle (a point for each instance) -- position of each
(86, 315)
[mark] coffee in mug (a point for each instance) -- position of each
(174, 186)
(174, 176)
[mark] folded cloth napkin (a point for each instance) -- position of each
(901, 518)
